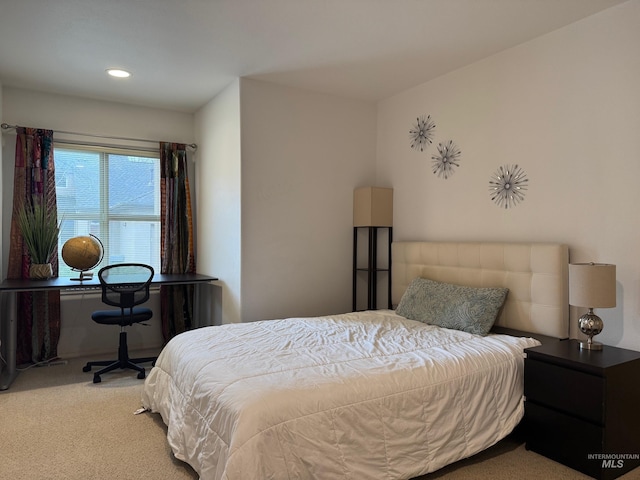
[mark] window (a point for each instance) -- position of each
(114, 195)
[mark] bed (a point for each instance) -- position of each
(365, 394)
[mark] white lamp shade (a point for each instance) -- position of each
(592, 285)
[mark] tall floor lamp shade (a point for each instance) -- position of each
(592, 285)
(373, 207)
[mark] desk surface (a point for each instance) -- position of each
(65, 283)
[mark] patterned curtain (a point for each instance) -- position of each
(38, 315)
(176, 242)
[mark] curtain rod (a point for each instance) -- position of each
(194, 146)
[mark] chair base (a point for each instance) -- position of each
(123, 362)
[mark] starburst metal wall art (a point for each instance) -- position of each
(421, 134)
(508, 185)
(447, 158)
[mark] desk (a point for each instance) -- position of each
(9, 326)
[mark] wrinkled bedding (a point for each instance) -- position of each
(363, 395)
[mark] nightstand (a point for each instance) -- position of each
(582, 407)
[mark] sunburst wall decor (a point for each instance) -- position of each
(447, 158)
(508, 185)
(421, 134)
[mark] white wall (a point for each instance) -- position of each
(217, 127)
(276, 172)
(566, 108)
(302, 155)
(79, 335)
(59, 112)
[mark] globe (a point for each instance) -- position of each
(82, 253)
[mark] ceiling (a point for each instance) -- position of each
(183, 52)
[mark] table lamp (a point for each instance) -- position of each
(592, 285)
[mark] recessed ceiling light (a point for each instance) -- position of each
(119, 73)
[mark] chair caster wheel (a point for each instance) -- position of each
(141, 375)
(97, 379)
(86, 368)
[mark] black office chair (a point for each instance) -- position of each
(124, 285)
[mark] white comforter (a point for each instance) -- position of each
(357, 396)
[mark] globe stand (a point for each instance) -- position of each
(84, 275)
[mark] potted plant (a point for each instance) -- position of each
(40, 234)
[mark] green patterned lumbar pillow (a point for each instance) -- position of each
(470, 309)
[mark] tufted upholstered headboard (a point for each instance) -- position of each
(536, 275)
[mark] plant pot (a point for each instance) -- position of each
(40, 271)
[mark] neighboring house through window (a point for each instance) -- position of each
(113, 194)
